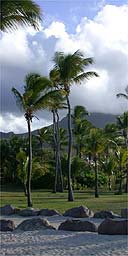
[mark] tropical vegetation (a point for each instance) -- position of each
(19, 12)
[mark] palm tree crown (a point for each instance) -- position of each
(19, 12)
(71, 67)
(37, 94)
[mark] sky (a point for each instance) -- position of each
(97, 27)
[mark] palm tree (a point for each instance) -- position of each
(35, 97)
(70, 69)
(54, 107)
(125, 95)
(122, 123)
(19, 12)
(94, 144)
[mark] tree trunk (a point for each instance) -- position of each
(29, 200)
(96, 177)
(61, 187)
(70, 191)
(109, 183)
(120, 175)
(25, 189)
(55, 151)
(126, 143)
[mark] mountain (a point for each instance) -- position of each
(97, 119)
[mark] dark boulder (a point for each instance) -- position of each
(8, 210)
(79, 212)
(47, 212)
(105, 214)
(29, 212)
(124, 213)
(113, 227)
(78, 225)
(7, 225)
(34, 224)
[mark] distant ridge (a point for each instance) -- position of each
(97, 119)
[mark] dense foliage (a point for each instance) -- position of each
(108, 144)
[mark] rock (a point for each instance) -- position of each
(47, 212)
(29, 212)
(78, 225)
(8, 209)
(104, 214)
(7, 225)
(124, 213)
(79, 212)
(113, 227)
(34, 224)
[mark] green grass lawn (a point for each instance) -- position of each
(58, 201)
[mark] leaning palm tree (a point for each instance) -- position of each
(19, 12)
(37, 95)
(70, 69)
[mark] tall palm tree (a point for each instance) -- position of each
(36, 96)
(70, 69)
(122, 123)
(19, 12)
(55, 106)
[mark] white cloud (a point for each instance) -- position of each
(105, 37)
(18, 124)
(56, 29)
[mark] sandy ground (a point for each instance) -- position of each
(61, 243)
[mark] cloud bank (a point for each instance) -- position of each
(105, 37)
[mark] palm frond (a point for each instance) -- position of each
(18, 97)
(86, 75)
(18, 12)
(122, 95)
(45, 100)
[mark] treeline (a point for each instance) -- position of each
(99, 156)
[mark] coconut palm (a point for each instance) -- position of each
(19, 12)
(70, 69)
(37, 95)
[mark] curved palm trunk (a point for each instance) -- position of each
(96, 177)
(70, 190)
(29, 200)
(61, 188)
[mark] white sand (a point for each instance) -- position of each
(61, 243)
